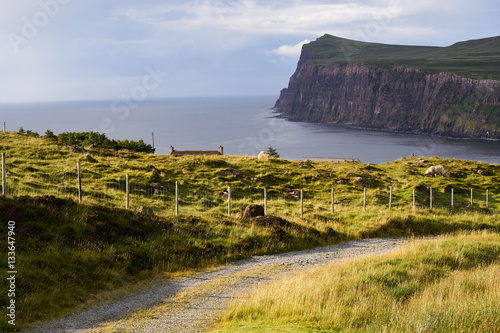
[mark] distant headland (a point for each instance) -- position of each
(450, 91)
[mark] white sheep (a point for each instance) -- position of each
(435, 170)
(263, 156)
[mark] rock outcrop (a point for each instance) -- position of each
(395, 99)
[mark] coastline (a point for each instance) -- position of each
(280, 115)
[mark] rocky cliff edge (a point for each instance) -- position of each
(395, 99)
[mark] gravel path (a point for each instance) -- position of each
(192, 304)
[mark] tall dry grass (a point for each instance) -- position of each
(448, 284)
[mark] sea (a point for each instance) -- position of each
(242, 125)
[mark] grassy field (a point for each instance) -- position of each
(476, 59)
(36, 166)
(449, 284)
(70, 255)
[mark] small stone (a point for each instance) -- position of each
(145, 210)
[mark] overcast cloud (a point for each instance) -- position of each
(101, 49)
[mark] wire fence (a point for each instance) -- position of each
(99, 186)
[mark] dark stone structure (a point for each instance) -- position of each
(174, 152)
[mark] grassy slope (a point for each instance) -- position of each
(445, 285)
(477, 59)
(86, 249)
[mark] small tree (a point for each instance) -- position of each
(272, 152)
(50, 135)
(31, 133)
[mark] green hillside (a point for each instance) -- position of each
(91, 250)
(476, 59)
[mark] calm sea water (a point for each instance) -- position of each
(242, 125)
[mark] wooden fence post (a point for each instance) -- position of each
(430, 195)
(79, 183)
(364, 199)
(414, 199)
(176, 198)
(333, 200)
(487, 198)
(127, 192)
(4, 174)
(452, 199)
(301, 203)
(229, 201)
(265, 201)
(471, 198)
(390, 198)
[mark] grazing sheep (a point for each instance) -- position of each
(263, 156)
(435, 170)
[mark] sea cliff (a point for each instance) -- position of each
(397, 99)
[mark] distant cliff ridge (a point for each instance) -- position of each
(364, 93)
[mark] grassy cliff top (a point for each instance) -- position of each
(476, 59)
(28, 157)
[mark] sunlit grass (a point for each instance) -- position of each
(449, 284)
(87, 250)
(39, 167)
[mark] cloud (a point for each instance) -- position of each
(247, 16)
(290, 50)
(97, 49)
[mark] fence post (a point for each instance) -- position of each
(364, 199)
(4, 126)
(127, 192)
(471, 198)
(4, 173)
(414, 199)
(390, 198)
(79, 183)
(333, 200)
(301, 203)
(229, 201)
(452, 199)
(430, 194)
(176, 198)
(265, 201)
(487, 198)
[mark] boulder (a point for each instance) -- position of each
(253, 211)
(306, 163)
(268, 221)
(453, 174)
(78, 149)
(145, 210)
(364, 182)
(481, 172)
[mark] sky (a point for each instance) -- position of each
(68, 50)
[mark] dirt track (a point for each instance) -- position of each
(194, 303)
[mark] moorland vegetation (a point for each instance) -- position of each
(71, 255)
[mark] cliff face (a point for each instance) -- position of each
(398, 99)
